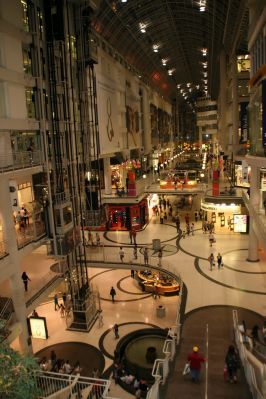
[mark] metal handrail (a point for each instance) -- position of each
(3, 249)
(248, 368)
(54, 384)
(19, 160)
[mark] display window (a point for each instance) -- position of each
(128, 216)
(242, 174)
(221, 215)
(179, 179)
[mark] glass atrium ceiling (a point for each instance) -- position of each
(175, 44)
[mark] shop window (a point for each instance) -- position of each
(67, 215)
(27, 64)
(2, 101)
(40, 23)
(30, 102)
(243, 63)
(25, 16)
(57, 218)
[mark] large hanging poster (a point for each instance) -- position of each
(108, 122)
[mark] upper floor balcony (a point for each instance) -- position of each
(19, 160)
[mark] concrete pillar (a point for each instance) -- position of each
(200, 137)
(252, 245)
(16, 285)
(146, 121)
(222, 136)
(253, 253)
(235, 105)
(107, 176)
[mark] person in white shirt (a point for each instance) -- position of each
(67, 368)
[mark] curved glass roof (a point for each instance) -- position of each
(187, 34)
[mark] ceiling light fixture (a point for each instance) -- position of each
(170, 71)
(202, 5)
(123, 1)
(204, 51)
(155, 48)
(178, 86)
(142, 27)
(164, 61)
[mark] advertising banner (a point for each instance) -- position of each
(38, 327)
(108, 123)
(263, 113)
(243, 123)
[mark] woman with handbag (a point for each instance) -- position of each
(232, 363)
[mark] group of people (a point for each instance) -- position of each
(22, 218)
(120, 373)
(59, 365)
(91, 241)
(64, 307)
(195, 360)
(219, 259)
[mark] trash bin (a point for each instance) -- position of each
(160, 311)
(156, 244)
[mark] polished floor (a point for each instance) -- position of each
(238, 284)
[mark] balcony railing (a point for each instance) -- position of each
(3, 249)
(64, 386)
(19, 160)
(6, 315)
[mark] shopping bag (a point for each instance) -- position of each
(186, 369)
(225, 372)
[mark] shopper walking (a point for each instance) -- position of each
(177, 223)
(132, 273)
(219, 261)
(146, 256)
(134, 236)
(116, 330)
(135, 252)
(113, 293)
(121, 254)
(130, 236)
(100, 319)
(25, 278)
(195, 360)
(160, 255)
(211, 239)
(56, 303)
(211, 260)
(192, 229)
(232, 363)
(196, 213)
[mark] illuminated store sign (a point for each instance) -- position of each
(240, 223)
(38, 327)
(207, 206)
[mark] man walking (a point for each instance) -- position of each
(116, 331)
(146, 256)
(121, 254)
(56, 303)
(113, 294)
(219, 261)
(211, 260)
(134, 236)
(195, 360)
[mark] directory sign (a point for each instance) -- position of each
(38, 327)
(240, 223)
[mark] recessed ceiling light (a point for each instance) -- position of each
(164, 61)
(155, 48)
(123, 1)
(142, 27)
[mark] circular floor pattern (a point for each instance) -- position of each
(129, 292)
(239, 270)
(143, 295)
(197, 267)
(106, 233)
(88, 356)
(167, 250)
(103, 336)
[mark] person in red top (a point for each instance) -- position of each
(195, 360)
